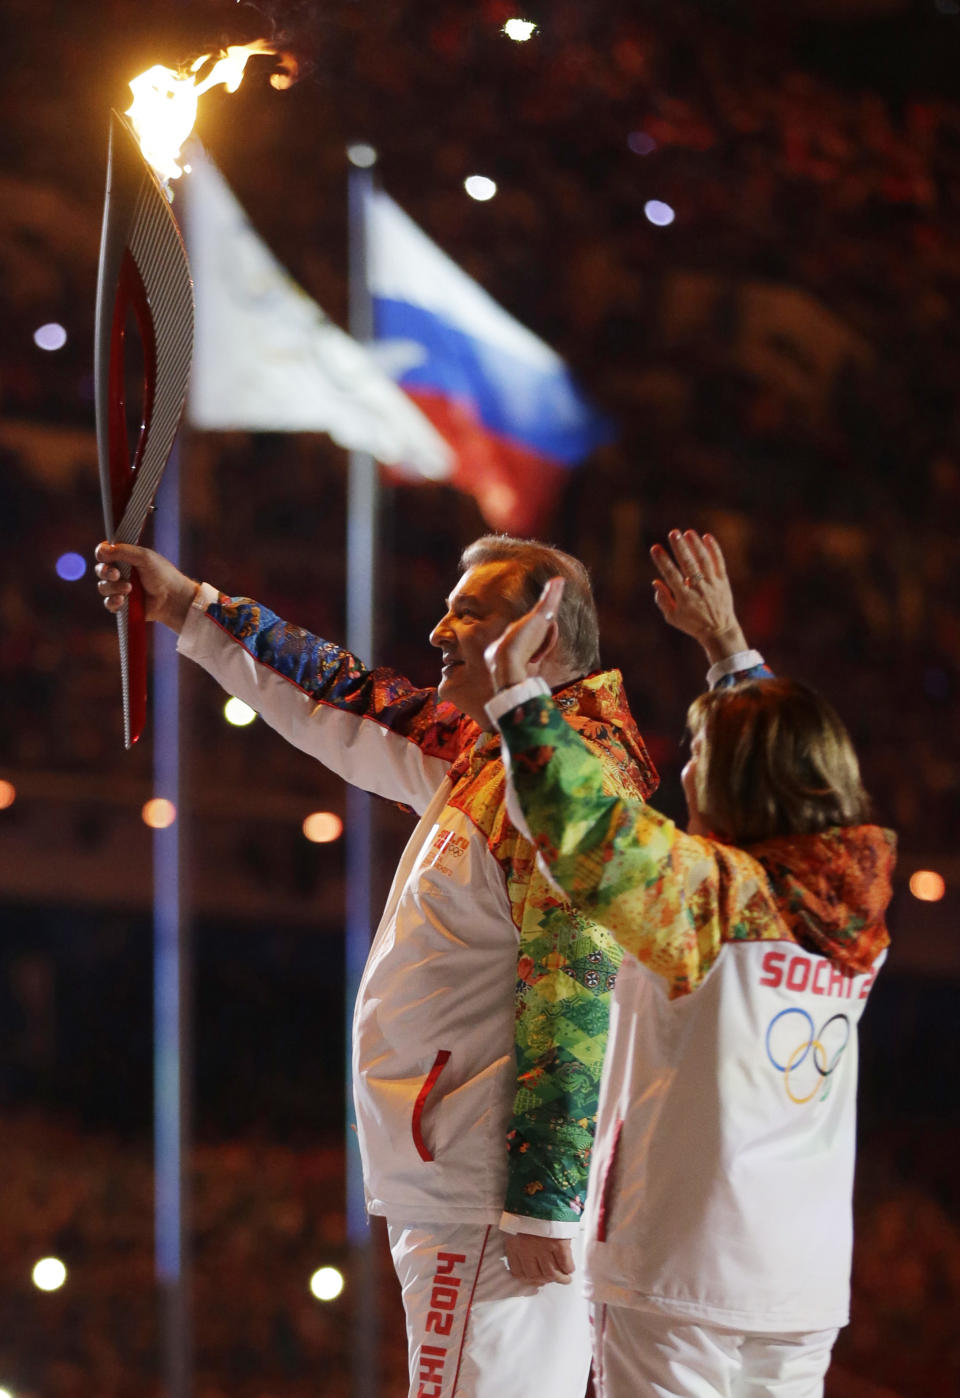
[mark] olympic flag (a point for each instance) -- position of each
(268, 359)
(503, 399)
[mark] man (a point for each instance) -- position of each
(482, 1015)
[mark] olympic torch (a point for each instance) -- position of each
(144, 282)
(144, 285)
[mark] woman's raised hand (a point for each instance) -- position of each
(694, 594)
(517, 654)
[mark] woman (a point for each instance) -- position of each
(719, 1207)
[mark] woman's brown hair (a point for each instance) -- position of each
(775, 759)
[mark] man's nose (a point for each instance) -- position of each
(441, 633)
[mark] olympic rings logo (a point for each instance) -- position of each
(810, 1058)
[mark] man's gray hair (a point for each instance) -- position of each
(536, 563)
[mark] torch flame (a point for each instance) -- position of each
(164, 106)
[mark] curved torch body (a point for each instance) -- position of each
(144, 282)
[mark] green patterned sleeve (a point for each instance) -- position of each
(566, 970)
(657, 890)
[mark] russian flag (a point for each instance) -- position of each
(504, 401)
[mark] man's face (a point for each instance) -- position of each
(479, 609)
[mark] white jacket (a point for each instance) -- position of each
(720, 1191)
(482, 1013)
(723, 1170)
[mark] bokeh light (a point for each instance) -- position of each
(8, 794)
(927, 885)
(322, 827)
(49, 1274)
(480, 187)
(641, 143)
(658, 212)
(326, 1283)
(50, 336)
(159, 813)
(519, 30)
(5, 1393)
(238, 713)
(71, 566)
(362, 155)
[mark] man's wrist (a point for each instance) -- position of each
(192, 600)
(177, 607)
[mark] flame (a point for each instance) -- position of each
(164, 106)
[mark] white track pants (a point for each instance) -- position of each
(474, 1331)
(642, 1355)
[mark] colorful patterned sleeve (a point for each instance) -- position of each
(332, 675)
(664, 895)
(565, 976)
(370, 726)
(566, 970)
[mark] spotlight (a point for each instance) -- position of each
(238, 713)
(50, 336)
(927, 885)
(71, 566)
(322, 827)
(326, 1283)
(519, 30)
(658, 212)
(641, 143)
(480, 188)
(362, 155)
(49, 1274)
(159, 813)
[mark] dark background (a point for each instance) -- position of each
(782, 363)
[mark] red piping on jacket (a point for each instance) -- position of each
(439, 1063)
(607, 1182)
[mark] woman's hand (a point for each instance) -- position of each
(527, 642)
(695, 595)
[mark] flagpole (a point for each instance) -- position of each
(171, 1000)
(362, 500)
(172, 1036)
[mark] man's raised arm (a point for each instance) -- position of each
(370, 726)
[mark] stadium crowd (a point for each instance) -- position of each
(781, 362)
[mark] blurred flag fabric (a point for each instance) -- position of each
(504, 400)
(268, 359)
